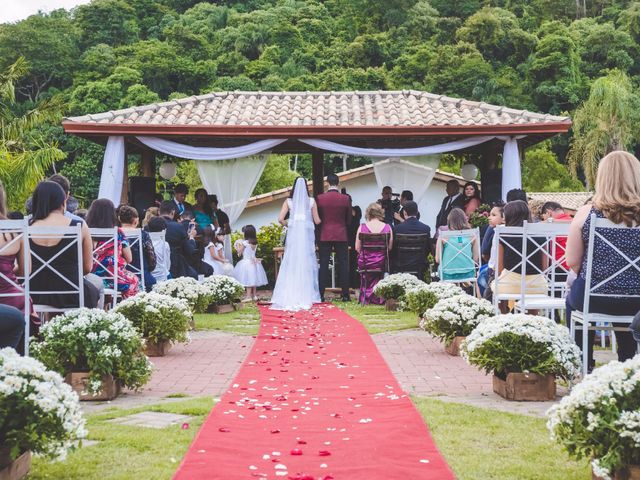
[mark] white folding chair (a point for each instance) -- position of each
(156, 238)
(542, 238)
(105, 238)
(586, 320)
(40, 265)
(458, 240)
(134, 237)
(14, 232)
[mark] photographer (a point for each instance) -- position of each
(389, 204)
(405, 196)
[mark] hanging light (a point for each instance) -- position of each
(167, 170)
(469, 172)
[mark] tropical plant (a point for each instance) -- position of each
(38, 411)
(606, 121)
(25, 155)
(158, 317)
(91, 340)
(456, 317)
(522, 343)
(600, 418)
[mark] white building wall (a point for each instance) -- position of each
(363, 191)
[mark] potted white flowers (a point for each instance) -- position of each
(393, 288)
(223, 292)
(160, 319)
(422, 297)
(525, 353)
(97, 351)
(600, 420)
(187, 289)
(39, 413)
(452, 319)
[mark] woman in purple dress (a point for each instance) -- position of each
(372, 259)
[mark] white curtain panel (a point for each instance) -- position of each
(181, 150)
(410, 173)
(112, 170)
(511, 171)
(233, 182)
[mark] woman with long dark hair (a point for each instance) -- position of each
(471, 195)
(48, 211)
(202, 210)
(102, 214)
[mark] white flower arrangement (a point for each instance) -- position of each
(394, 286)
(223, 289)
(422, 297)
(158, 317)
(92, 340)
(600, 418)
(456, 316)
(188, 289)
(44, 411)
(522, 343)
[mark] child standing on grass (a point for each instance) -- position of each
(249, 270)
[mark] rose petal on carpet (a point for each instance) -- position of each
(314, 400)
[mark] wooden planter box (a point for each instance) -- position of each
(226, 308)
(17, 469)
(630, 472)
(153, 349)
(454, 347)
(79, 380)
(523, 387)
(391, 305)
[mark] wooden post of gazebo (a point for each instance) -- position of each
(317, 176)
(124, 195)
(148, 163)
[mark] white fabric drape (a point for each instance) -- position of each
(112, 170)
(411, 173)
(233, 182)
(189, 152)
(511, 171)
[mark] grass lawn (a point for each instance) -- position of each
(126, 452)
(478, 444)
(246, 321)
(481, 444)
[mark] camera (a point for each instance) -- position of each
(392, 204)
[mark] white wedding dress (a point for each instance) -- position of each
(297, 284)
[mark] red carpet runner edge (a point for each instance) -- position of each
(314, 400)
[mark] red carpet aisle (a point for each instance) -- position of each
(314, 400)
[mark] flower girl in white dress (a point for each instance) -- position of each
(214, 252)
(249, 271)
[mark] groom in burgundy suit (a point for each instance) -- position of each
(334, 209)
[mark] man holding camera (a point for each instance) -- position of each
(389, 205)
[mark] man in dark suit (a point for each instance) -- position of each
(411, 226)
(454, 199)
(180, 193)
(334, 209)
(181, 243)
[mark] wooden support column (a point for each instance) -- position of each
(148, 163)
(124, 196)
(490, 173)
(317, 176)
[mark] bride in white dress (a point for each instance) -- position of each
(297, 284)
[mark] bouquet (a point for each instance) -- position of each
(456, 317)
(480, 217)
(522, 343)
(223, 290)
(188, 289)
(40, 412)
(158, 317)
(600, 418)
(421, 298)
(92, 340)
(395, 286)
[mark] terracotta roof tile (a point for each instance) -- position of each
(392, 108)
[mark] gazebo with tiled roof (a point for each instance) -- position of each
(381, 119)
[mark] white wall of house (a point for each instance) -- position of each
(363, 191)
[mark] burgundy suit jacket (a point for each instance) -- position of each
(334, 209)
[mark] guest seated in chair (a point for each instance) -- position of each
(49, 211)
(372, 259)
(129, 220)
(181, 243)
(457, 255)
(416, 261)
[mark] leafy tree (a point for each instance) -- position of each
(112, 22)
(542, 172)
(606, 121)
(456, 8)
(276, 175)
(24, 155)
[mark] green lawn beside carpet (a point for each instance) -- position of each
(478, 444)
